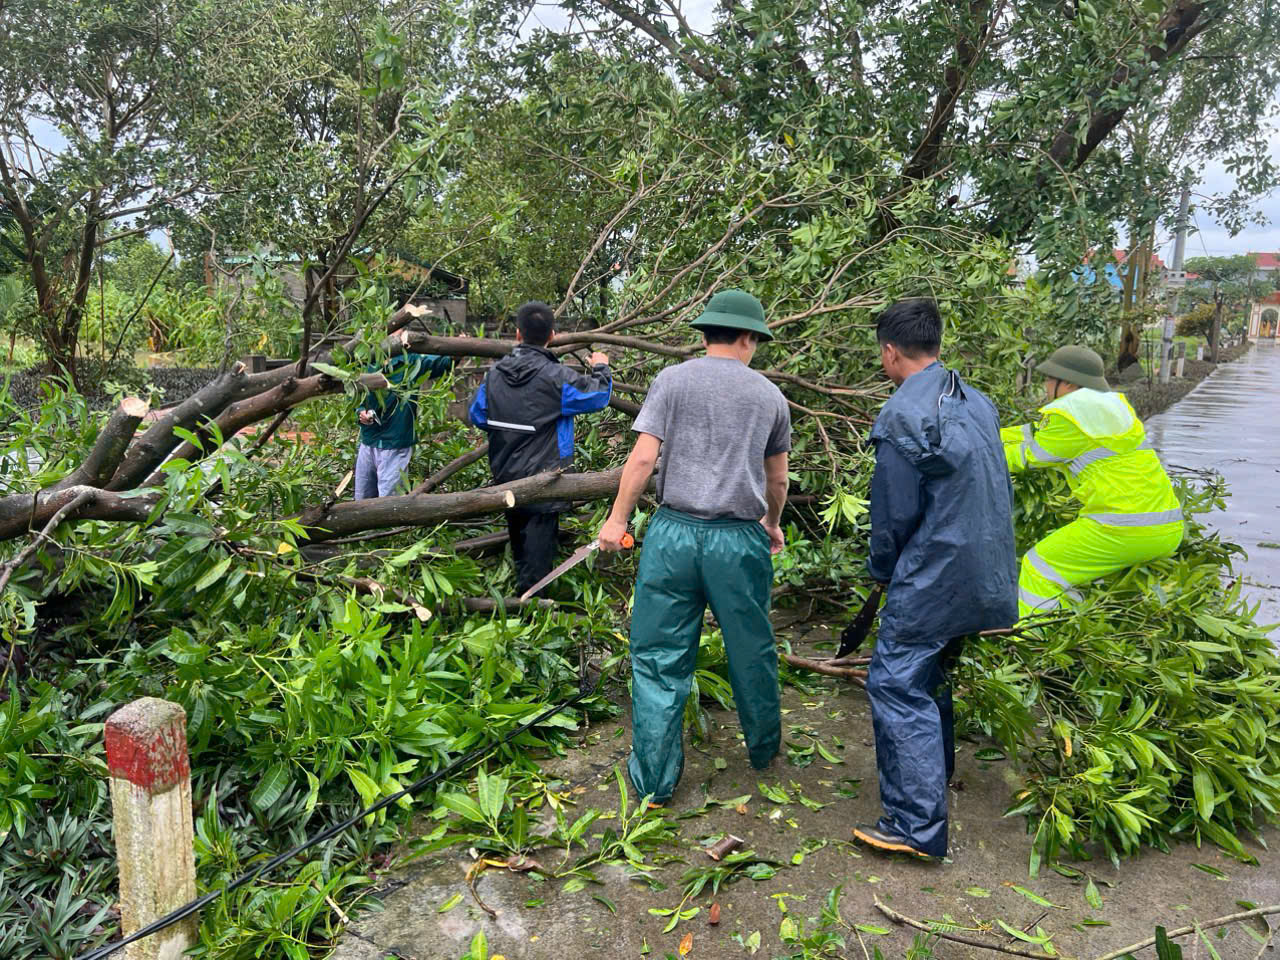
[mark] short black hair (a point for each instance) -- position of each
(535, 320)
(913, 326)
(725, 334)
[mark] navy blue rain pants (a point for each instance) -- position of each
(914, 721)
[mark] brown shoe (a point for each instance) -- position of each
(878, 840)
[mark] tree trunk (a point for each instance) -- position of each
(1215, 350)
(331, 520)
(147, 453)
(109, 448)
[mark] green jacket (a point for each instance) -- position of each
(397, 412)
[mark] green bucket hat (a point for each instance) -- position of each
(737, 310)
(1078, 365)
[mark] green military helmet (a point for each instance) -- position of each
(1078, 365)
(737, 310)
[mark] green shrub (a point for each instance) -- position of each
(1149, 716)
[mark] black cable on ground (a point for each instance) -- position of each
(194, 906)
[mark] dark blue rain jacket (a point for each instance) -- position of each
(941, 512)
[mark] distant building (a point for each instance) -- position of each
(1264, 318)
(1268, 265)
(409, 280)
(1111, 269)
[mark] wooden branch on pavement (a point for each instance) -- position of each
(1196, 928)
(825, 668)
(932, 928)
(108, 449)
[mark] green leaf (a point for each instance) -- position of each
(1204, 792)
(828, 756)
(364, 784)
(775, 793)
(462, 804)
(1018, 934)
(270, 787)
(1212, 871)
(479, 947)
(336, 372)
(1166, 949)
(449, 904)
(606, 901)
(978, 892)
(871, 928)
(212, 575)
(1092, 895)
(788, 930)
(1035, 897)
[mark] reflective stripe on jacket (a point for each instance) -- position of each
(527, 404)
(1098, 442)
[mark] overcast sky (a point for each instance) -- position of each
(1208, 237)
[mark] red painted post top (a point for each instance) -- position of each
(147, 744)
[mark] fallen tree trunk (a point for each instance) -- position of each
(154, 446)
(244, 413)
(329, 521)
(30, 511)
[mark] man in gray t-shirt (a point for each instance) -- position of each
(718, 421)
(724, 433)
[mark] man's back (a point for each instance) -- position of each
(718, 420)
(527, 404)
(948, 547)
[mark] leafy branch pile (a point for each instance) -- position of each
(1149, 716)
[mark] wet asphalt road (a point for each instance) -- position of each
(1231, 423)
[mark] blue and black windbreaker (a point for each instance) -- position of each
(527, 404)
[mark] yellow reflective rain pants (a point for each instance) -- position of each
(1130, 514)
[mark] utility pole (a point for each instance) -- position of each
(1177, 277)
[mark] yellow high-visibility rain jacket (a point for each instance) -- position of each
(1129, 514)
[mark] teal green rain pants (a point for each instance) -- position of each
(686, 564)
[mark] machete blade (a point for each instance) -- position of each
(574, 559)
(856, 633)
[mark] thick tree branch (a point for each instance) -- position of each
(662, 36)
(24, 511)
(246, 412)
(81, 497)
(969, 49)
(109, 448)
(153, 448)
(328, 521)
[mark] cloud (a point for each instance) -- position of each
(1210, 238)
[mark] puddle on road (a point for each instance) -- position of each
(1231, 423)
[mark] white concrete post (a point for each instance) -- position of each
(1200, 351)
(151, 807)
(1166, 348)
(1182, 360)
